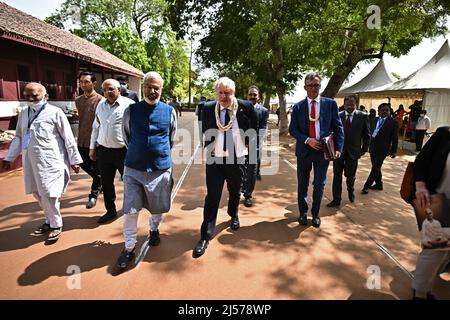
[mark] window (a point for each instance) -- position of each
(23, 73)
(68, 87)
(51, 83)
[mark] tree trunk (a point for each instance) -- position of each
(281, 92)
(267, 96)
(279, 69)
(342, 72)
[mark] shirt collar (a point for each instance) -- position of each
(317, 99)
(115, 104)
(350, 114)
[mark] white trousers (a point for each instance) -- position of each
(50, 206)
(130, 221)
(430, 263)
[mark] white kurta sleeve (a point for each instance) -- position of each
(65, 131)
(15, 146)
(95, 129)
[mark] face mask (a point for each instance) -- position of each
(36, 105)
(422, 115)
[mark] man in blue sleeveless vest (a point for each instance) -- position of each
(149, 129)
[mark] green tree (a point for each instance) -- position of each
(125, 45)
(93, 16)
(278, 40)
(133, 30)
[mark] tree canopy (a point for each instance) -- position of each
(133, 30)
(275, 42)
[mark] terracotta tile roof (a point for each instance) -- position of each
(19, 26)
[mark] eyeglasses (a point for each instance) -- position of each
(317, 85)
(154, 88)
(110, 89)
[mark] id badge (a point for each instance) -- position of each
(26, 140)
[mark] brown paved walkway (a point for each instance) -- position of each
(269, 257)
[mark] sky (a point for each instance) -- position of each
(403, 66)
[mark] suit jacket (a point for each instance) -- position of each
(329, 122)
(386, 141)
(246, 118)
(262, 115)
(357, 140)
(430, 162)
(130, 94)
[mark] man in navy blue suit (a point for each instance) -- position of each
(229, 127)
(312, 119)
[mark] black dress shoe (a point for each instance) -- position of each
(351, 196)
(107, 217)
(91, 203)
(316, 222)
(365, 191)
(125, 258)
(234, 224)
(303, 219)
(248, 202)
(200, 248)
(154, 239)
(333, 204)
(376, 187)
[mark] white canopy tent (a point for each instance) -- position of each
(379, 76)
(431, 83)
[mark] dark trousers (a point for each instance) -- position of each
(375, 173)
(216, 175)
(348, 166)
(420, 135)
(304, 166)
(91, 168)
(252, 169)
(109, 161)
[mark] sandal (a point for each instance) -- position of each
(42, 229)
(54, 234)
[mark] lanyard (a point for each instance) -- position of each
(35, 116)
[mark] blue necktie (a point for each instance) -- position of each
(379, 125)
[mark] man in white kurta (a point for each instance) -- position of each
(432, 234)
(48, 147)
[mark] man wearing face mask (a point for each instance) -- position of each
(149, 129)
(384, 142)
(48, 147)
(107, 145)
(124, 91)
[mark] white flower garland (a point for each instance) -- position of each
(234, 107)
(314, 119)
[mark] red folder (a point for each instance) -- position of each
(328, 147)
